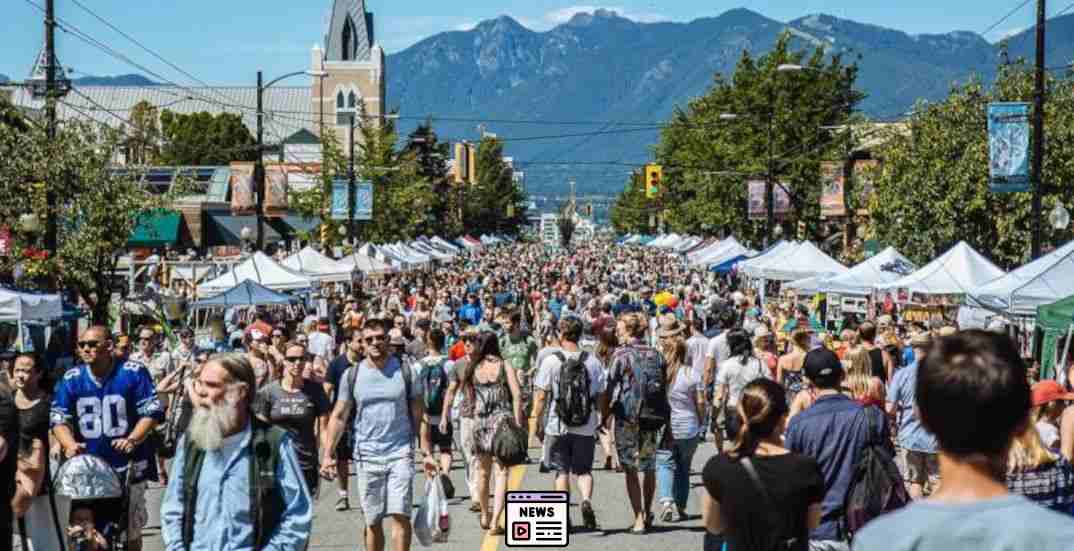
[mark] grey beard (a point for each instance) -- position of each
(209, 425)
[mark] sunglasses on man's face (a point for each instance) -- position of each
(294, 359)
(375, 338)
(89, 344)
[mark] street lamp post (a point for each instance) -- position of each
(259, 162)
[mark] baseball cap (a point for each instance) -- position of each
(823, 367)
(1049, 391)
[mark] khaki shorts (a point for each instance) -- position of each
(920, 467)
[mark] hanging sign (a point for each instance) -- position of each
(1008, 147)
(832, 201)
(242, 188)
(757, 200)
(275, 190)
(363, 200)
(339, 199)
(863, 189)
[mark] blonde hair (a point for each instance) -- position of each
(635, 324)
(859, 361)
(1028, 452)
(865, 387)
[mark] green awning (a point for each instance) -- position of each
(289, 225)
(156, 229)
(225, 229)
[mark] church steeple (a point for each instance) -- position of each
(349, 36)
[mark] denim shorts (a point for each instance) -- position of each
(572, 453)
(385, 488)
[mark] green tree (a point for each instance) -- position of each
(205, 139)
(708, 157)
(631, 209)
(143, 134)
(931, 190)
(431, 155)
(96, 208)
(493, 204)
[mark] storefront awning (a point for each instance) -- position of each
(291, 224)
(156, 229)
(225, 229)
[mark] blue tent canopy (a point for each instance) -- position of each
(726, 266)
(247, 293)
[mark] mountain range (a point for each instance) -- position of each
(3, 78)
(601, 67)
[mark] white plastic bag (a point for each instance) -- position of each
(433, 521)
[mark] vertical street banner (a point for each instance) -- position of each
(1008, 147)
(756, 200)
(757, 203)
(363, 201)
(832, 200)
(242, 188)
(864, 171)
(275, 190)
(339, 199)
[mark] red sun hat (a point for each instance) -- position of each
(1049, 391)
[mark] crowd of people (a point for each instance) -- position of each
(882, 435)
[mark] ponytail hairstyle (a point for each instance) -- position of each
(761, 408)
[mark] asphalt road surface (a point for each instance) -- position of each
(343, 530)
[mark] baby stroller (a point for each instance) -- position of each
(90, 481)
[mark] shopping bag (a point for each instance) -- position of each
(433, 522)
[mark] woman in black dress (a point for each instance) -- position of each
(32, 404)
(761, 496)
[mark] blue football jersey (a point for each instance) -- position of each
(100, 412)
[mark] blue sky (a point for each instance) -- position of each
(227, 41)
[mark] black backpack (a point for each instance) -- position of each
(574, 402)
(435, 381)
(876, 487)
(645, 400)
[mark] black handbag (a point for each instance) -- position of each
(510, 444)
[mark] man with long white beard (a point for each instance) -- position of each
(237, 484)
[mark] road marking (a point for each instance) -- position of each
(514, 481)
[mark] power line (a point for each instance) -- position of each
(1004, 18)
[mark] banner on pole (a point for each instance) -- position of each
(757, 206)
(1008, 147)
(276, 186)
(363, 201)
(864, 173)
(242, 188)
(339, 199)
(832, 200)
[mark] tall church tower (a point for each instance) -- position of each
(351, 66)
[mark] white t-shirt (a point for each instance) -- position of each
(681, 395)
(548, 381)
(737, 375)
(321, 344)
(718, 349)
(696, 348)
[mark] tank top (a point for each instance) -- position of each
(876, 361)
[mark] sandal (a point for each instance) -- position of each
(497, 531)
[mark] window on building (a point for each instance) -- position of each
(352, 101)
(348, 37)
(339, 100)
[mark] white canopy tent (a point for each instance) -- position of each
(368, 265)
(717, 250)
(434, 252)
(957, 271)
(446, 245)
(1048, 279)
(766, 256)
(384, 255)
(19, 307)
(884, 267)
(801, 260)
(712, 247)
(261, 269)
(317, 266)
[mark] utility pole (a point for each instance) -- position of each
(1038, 134)
(259, 167)
(350, 184)
(51, 95)
(769, 184)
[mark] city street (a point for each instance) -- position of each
(342, 530)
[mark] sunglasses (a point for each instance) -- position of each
(274, 335)
(294, 359)
(375, 338)
(89, 344)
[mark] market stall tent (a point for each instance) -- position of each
(887, 266)
(16, 306)
(317, 266)
(1056, 320)
(1019, 293)
(800, 260)
(260, 269)
(957, 271)
(368, 265)
(247, 293)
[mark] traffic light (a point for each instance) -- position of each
(589, 210)
(801, 231)
(324, 235)
(653, 177)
